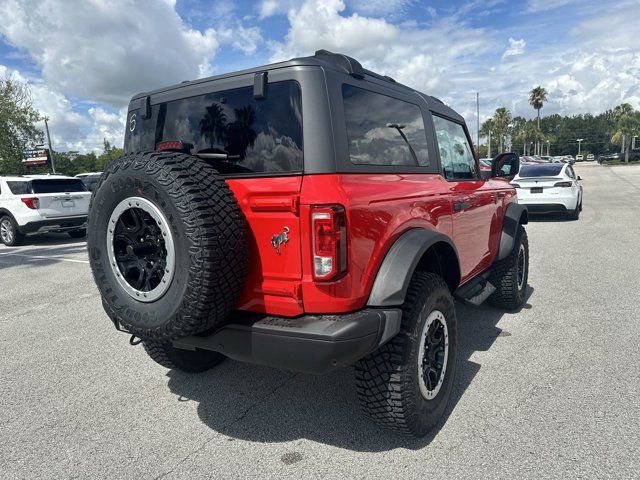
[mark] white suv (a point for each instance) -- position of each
(34, 204)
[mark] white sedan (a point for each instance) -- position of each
(549, 188)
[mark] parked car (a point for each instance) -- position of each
(549, 188)
(591, 157)
(485, 164)
(579, 158)
(90, 180)
(295, 215)
(34, 204)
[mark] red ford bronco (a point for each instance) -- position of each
(306, 215)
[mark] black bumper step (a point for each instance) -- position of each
(311, 343)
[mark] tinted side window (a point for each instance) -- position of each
(570, 172)
(20, 188)
(456, 156)
(261, 135)
(383, 130)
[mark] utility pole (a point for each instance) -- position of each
(489, 146)
(478, 119)
(548, 148)
(579, 140)
(46, 126)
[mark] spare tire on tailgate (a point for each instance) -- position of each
(166, 244)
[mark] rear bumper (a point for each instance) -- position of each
(54, 225)
(546, 208)
(310, 344)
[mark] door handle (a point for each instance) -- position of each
(459, 206)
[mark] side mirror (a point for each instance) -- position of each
(579, 177)
(505, 165)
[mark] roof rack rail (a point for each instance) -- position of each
(348, 64)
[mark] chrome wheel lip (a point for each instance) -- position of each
(6, 231)
(160, 219)
(435, 315)
(521, 270)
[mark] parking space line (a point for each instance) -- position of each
(45, 258)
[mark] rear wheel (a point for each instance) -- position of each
(78, 233)
(511, 274)
(405, 385)
(192, 361)
(575, 213)
(9, 234)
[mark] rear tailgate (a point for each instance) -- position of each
(271, 208)
(61, 197)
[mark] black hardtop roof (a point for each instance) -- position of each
(322, 58)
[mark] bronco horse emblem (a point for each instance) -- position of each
(280, 239)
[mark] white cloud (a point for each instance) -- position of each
(419, 57)
(379, 7)
(542, 5)
(516, 47)
(107, 51)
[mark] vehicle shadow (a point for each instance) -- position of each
(42, 251)
(320, 408)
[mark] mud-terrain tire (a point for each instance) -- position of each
(510, 275)
(78, 233)
(192, 361)
(176, 212)
(388, 381)
(9, 234)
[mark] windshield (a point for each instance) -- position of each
(547, 170)
(58, 185)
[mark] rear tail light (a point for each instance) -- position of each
(516, 185)
(563, 184)
(329, 227)
(174, 146)
(32, 202)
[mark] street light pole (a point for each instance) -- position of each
(46, 126)
(579, 140)
(548, 148)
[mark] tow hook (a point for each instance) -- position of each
(135, 340)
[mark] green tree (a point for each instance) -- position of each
(626, 123)
(497, 127)
(108, 155)
(537, 99)
(18, 128)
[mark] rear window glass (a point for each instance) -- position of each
(548, 170)
(20, 188)
(265, 135)
(58, 186)
(383, 130)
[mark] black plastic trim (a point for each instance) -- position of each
(516, 214)
(310, 344)
(62, 223)
(392, 281)
(546, 208)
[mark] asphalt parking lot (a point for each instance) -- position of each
(552, 391)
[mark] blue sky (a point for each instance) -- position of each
(85, 58)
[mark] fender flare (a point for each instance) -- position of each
(515, 215)
(4, 211)
(395, 272)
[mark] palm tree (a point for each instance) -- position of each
(626, 120)
(497, 126)
(240, 134)
(537, 99)
(213, 126)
